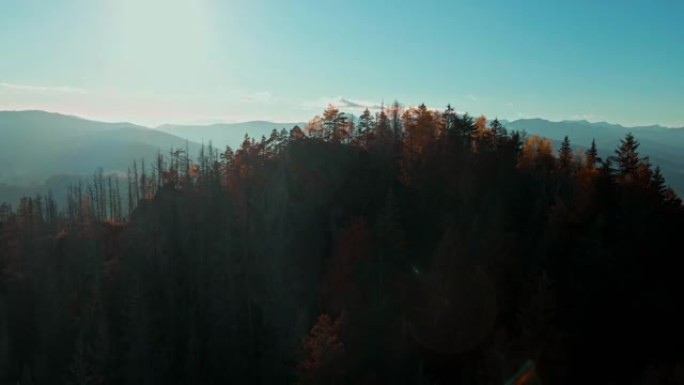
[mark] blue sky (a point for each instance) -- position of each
(161, 61)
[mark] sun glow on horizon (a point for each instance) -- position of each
(159, 44)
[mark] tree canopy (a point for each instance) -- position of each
(411, 246)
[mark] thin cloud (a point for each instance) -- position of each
(360, 104)
(341, 103)
(357, 105)
(472, 97)
(43, 89)
(586, 117)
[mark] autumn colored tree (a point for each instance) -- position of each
(324, 353)
(537, 152)
(426, 247)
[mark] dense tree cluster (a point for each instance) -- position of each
(411, 246)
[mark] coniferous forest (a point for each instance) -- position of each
(411, 246)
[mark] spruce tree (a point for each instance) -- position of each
(591, 155)
(365, 122)
(565, 155)
(627, 157)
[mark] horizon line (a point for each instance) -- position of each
(227, 122)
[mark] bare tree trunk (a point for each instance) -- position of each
(111, 197)
(135, 179)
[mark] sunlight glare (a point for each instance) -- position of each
(158, 38)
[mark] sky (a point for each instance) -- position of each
(204, 61)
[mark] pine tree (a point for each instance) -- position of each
(627, 157)
(382, 120)
(343, 127)
(467, 125)
(497, 128)
(382, 127)
(450, 119)
(565, 156)
(365, 122)
(591, 155)
(658, 182)
(395, 119)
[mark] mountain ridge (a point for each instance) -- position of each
(36, 145)
(227, 134)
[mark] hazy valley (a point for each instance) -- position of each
(44, 151)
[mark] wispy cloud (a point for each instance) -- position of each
(43, 89)
(586, 117)
(472, 97)
(360, 104)
(341, 103)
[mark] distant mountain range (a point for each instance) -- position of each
(664, 146)
(226, 134)
(41, 150)
(35, 145)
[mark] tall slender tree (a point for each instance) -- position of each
(591, 155)
(365, 122)
(565, 156)
(627, 156)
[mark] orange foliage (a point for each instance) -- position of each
(535, 151)
(481, 132)
(421, 126)
(323, 352)
(314, 127)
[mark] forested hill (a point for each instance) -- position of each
(43, 151)
(662, 145)
(226, 134)
(414, 247)
(36, 145)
